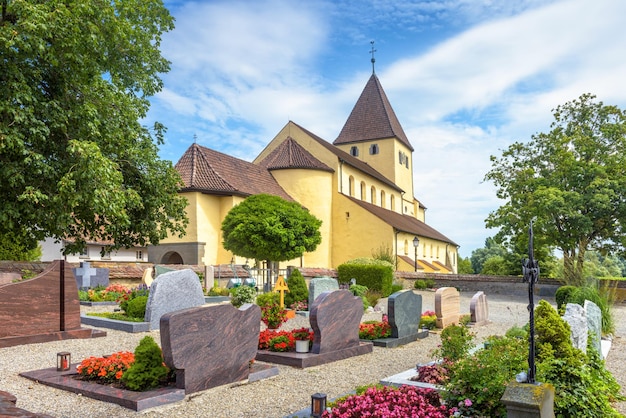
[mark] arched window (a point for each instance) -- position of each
(406, 247)
(363, 190)
(374, 149)
(393, 202)
(354, 151)
(373, 195)
(351, 186)
(382, 199)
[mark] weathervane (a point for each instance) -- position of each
(373, 59)
(530, 269)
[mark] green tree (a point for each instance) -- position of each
(267, 227)
(75, 161)
(571, 179)
(465, 266)
(18, 248)
(480, 255)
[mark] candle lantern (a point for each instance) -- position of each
(63, 361)
(318, 404)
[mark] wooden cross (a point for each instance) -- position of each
(281, 287)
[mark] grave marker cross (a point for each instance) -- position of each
(530, 270)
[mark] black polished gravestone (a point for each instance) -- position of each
(404, 311)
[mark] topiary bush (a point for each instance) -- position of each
(136, 308)
(298, 290)
(147, 371)
(373, 276)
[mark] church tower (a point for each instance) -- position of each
(373, 134)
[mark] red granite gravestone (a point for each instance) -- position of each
(210, 346)
(41, 309)
(335, 317)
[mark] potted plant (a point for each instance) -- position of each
(303, 337)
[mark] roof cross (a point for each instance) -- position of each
(373, 59)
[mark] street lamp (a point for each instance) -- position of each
(416, 243)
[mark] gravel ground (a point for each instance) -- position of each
(276, 397)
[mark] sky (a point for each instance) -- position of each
(466, 79)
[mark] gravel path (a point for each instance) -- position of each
(276, 397)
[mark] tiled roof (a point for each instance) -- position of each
(350, 160)
(205, 170)
(403, 223)
(290, 154)
(372, 118)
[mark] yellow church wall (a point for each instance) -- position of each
(350, 174)
(429, 250)
(356, 232)
(313, 189)
(191, 233)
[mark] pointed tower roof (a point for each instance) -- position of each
(372, 118)
(290, 154)
(205, 170)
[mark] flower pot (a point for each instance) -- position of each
(302, 346)
(290, 313)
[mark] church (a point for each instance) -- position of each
(360, 186)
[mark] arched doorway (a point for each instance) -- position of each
(171, 257)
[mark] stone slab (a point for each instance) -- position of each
(304, 360)
(55, 316)
(447, 306)
(173, 291)
(137, 401)
(525, 400)
(575, 317)
(397, 342)
(335, 317)
(8, 408)
(216, 299)
(319, 285)
(404, 310)
(211, 345)
(126, 326)
(106, 303)
(594, 324)
(403, 378)
(479, 309)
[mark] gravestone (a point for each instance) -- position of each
(447, 306)
(335, 317)
(209, 277)
(147, 278)
(479, 310)
(173, 291)
(319, 285)
(89, 277)
(575, 317)
(55, 314)
(404, 311)
(210, 346)
(594, 324)
(9, 277)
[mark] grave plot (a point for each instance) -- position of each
(207, 346)
(44, 308)
(404, 312)
(334, 318)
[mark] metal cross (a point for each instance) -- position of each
(373, 59)
(530, 269)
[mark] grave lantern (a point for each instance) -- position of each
(63, 361)
(318, 404)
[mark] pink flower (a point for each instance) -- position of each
(468, 402)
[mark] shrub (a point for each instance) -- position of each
(456, 341)
(372, 297)
(268, 299)
(482, 377)
(604, 302)
(420, 284)
(218, 291)
(562, 295)
(552, 333)
(396, 287)
(298, 290)
(280, 343)
(435, 374)
(136, 308)
(373, 330)
(241, 295)
(273, 316)
(148, 370)
(373, 276)
(360, 291)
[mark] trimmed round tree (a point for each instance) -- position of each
(267, 227)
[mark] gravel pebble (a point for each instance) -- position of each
(276, 397)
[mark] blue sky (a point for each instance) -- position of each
(466, 78)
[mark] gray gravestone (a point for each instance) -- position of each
(209, 277)
(594, 324)
(320, 285)
(575, 317)
(173, 291)
(479, 310)
(405, 310)
(89, 277)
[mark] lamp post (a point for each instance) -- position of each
(416, 243)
